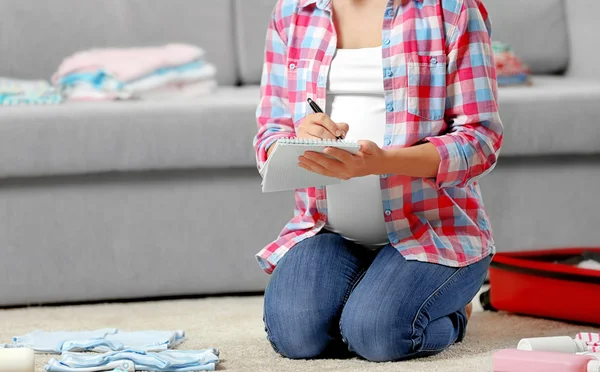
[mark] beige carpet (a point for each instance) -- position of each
(234, 325)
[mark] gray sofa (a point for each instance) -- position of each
(134, 199)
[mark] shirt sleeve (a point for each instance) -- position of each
(470, 148)
(273, 115)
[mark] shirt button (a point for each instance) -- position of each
(383, 176)
(389, 72)
(390, 107)
(292, 66)
(388, 212)
(395, 241)
(387, 142)
(389, 12)
(433, 60)
(387, 42)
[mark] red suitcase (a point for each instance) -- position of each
(546, 284)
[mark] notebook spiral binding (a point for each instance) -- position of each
(307, 141)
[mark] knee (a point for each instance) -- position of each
(296, 334)
(378, 338)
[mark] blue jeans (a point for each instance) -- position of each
(329, 297)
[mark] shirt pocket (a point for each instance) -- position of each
(426, 87)
(300, 86)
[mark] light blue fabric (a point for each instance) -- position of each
(116, 366)
(102, 80)
(143, 340)
(53, 342)
(27, 92)
(102, 340)
(518, 79)
(165, 361)
(99, 80)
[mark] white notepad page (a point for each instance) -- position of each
(281, 171)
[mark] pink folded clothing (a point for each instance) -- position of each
(128, 64)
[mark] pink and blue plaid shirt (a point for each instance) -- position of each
(440, 86)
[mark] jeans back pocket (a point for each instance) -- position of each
(426, 90)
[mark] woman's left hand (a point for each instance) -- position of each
(344, 164)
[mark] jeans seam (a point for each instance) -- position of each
(268, 330)
(357, 278)
(427, 301)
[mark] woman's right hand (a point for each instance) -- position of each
(320, 126)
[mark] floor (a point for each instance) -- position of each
(234, 325)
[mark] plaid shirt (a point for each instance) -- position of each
(440, 86)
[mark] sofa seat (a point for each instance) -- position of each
(210, 132)
(556, 115)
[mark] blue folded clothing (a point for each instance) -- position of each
(27, 92)
(54, 342)
(517, 79)
(102, 340)
(165, 361)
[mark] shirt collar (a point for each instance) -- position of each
(325, 4)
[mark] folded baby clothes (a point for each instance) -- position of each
(127, 64)
(93, 86)
(143, 340)
(27, 92)
(117, 74)
(165, 361)
(54, 342)
(116, 366)
(510, 70)
(188, 73)
(102, 340)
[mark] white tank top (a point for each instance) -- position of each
(355, 95)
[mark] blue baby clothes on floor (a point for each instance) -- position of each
(54, 342)
(143, 340)
(102, 340)
(165, 361)
(116, 366)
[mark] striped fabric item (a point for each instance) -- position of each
(592, 340)
(14, 92)
(440, 86)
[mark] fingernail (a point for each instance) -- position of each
(338, 133)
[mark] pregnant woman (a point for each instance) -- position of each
(385, 264)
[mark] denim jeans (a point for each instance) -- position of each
(329, 297)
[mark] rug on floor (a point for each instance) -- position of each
(234, 325)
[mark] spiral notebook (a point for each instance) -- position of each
(281, 171)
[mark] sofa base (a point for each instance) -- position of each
(133, 235)
(117, 236)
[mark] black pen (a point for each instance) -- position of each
(317, 110)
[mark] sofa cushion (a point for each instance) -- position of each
(583, 38)
(35, 36)
(542, 45)
(556, 115)
(215, 131)
(536, 29)
(252, 20)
